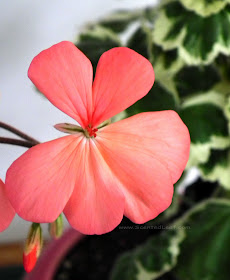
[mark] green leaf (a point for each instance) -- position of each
(199, 39)
(194, 247)
(204, 253)
(227, 111)
(168, 58)
(211, 97)
(205, 7)
(120, 20)
(204, 121)
(200, 152)
(169, 26)
(207, 124)
(217, 168)
(166, 64)
(196, 79)
(156, 100)
(95, 41)
(140, 41)
(125, 268)
(155, 257)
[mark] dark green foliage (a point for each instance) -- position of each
(156, 100)
(139, 42)
(94, 46)
(205, 251)
(203, 121)
(196, 79)
(217, 157)
(152, 259)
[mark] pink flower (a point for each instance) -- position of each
(97, 175)
(7, 212)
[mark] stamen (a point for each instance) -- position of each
(91, 131)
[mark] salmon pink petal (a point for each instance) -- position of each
(163, 134)
(147, 153)
(40, 182)
(146, 182)
(122, 77)
(7, 212)
(97, 203)
(64, 75)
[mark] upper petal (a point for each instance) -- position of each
(147, 153)
(122, 77)
(97, 203)
(40, 182)
(64, 75)
(7, 212)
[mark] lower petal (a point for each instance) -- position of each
(40, 182)
(97, 204)
(162, 134)
(147, 153)
(145, 182)
(7, 212)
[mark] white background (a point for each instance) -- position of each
(26, 28)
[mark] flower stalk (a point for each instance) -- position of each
(27, 141)
(18, 133)
(17, 142)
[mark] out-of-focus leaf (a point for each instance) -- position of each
(166, 64)
(199, 39)
(217, 168)
(205, 7)
(95, 41)
(168, 58)
(156, 100)
(196, 79)
(204, 121)
(155, 257)
(140, 42)
(120, 20)
(195, 247)
(227, 111)
(125, 268)
(211, 97)
(168, 30)
(204, 253)
(207, 124)
(200, 152)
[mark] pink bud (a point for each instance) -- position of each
(30, 259)
(33, 247)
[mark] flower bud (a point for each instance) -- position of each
(56, 228)
(32, 247)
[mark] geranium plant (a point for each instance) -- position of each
(126, 148)
(101, 171)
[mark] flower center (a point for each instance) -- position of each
(90, 132)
